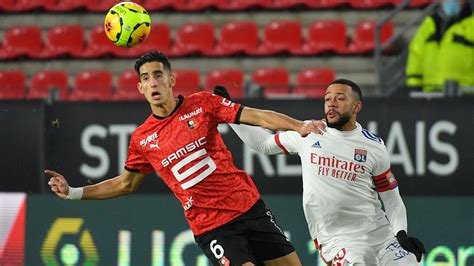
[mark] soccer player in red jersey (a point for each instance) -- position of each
(181, 143)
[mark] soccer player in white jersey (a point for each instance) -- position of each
(345, 169)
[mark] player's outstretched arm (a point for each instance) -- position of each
(123, 184)
(276, 121)
(257, 138)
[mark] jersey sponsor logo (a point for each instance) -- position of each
(360, 155)
(154, 145)
(150, 139)
(316, 145)
(191, 114)
(181, 152)
(337, 168)
(227, 103)
(371, 136)
(188, 204)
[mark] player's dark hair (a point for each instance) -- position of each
(355, 88)
(154, 56)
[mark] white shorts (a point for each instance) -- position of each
(387, 252)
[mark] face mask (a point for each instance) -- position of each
(451, 8)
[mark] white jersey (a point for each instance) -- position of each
(342, 172)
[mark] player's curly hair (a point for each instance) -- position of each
(355, 88)
(154, 56)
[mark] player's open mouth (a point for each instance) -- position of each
(155, 94)
(332, 114)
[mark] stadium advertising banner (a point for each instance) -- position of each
(151, 230)
(428, 142)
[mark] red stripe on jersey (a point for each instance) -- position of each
(385, 181)
(278, 142)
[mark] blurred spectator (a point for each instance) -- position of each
(442, 50)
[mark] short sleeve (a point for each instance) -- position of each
(224, 110)
(288, 141)
(136, 162)
(382, 175)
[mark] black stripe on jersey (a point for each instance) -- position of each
(237, 116)
(132, 170)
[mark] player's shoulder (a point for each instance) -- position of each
(293, 135)
(370, 137)
(199, 95)
(143, 127)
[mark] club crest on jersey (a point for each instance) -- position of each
(360, 155)
(316, 145)
(191, 124)
(151, 139)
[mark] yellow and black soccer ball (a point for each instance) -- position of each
(127, 24)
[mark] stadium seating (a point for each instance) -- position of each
(369, 4)
(19, 5)
(237, 37)
(12, 85)
(21, 41)
(126, 88)
(325, 4)
(43, 83)
(284, 4)
(197, 5)
(104, 5)
(63, 40)
(232, 79)
(98, 45)
(324, 36)
(194, 38)
(155, 5)
(279, 37)
(312, 82)
(187, 82)
(238, 5)
(194, 5)
(363, 38)
(66, 5)
(92, 85)
(274, 81)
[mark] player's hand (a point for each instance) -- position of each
(315, 126)
(411, 244)
(222, 91)
(58, 184)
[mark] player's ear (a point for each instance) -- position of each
(172, 80)
(139, 87)
(357, 107)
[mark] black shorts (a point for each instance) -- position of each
(252, 237)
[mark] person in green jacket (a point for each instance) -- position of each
(443, 48)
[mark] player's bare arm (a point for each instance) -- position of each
(276, 121)
(123, 184)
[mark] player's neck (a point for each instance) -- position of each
(349, 126)
(165, 109)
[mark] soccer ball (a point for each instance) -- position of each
(127, 24)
